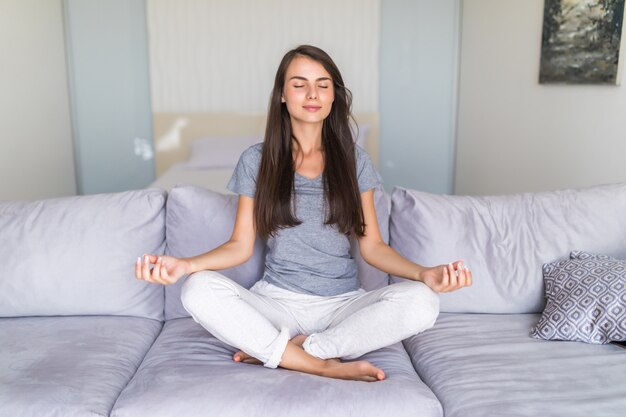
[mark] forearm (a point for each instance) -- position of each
(228, 255)
(384, 257)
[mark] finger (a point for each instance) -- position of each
(156, 272)
(138, 268)
(468, 276)
(145, 268)
(152, 258)
(461, 276)
(453, 277)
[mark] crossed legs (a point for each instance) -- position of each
(267, 332)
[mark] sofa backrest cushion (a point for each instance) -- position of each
(505, 240)
(76, 255)
(372, 278)
(198, 220)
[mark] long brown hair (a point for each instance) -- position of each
(275, 182)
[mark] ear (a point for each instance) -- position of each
(282, 99)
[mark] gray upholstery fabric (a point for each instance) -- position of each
(189, 373)
(506, 239)
(199, 220)
(76, 255)
(372, 278)
(488, 365)
(69, 366)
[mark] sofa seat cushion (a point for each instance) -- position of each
(69, 366)
(190, 373)
(488, 365)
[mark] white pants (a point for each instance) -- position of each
(261, 321)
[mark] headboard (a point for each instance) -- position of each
(173, 132)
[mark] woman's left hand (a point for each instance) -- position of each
(446, 278)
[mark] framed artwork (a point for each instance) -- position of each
(581, 42)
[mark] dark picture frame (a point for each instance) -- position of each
(581, 42)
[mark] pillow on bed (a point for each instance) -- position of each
(219, 151)
(361, 135)
(586, 300)
(224, 151)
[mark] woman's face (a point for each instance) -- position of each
(308, 91)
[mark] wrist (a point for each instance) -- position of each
(189, 266)
(418, 275)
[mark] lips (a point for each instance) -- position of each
(312, 108)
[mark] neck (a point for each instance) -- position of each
(309, 136)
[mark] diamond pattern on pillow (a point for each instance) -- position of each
(586, 299)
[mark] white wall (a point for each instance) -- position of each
(222, 55)
(36, 157)
(515, 135)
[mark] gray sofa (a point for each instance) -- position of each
(80, 336)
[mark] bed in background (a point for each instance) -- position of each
(202, 149)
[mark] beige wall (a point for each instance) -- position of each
(36, 157)
(515, 135)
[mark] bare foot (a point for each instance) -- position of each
(295, 358)
(242, 356)
(359, 371)
(332, 368)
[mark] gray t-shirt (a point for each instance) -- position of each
(311, 258)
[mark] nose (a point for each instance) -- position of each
(312, 93)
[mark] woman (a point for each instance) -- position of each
(307, 189)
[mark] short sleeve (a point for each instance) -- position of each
(243, 180)
(367, 176)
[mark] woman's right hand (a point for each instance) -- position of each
(163, 270)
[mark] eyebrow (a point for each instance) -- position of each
(297, 77)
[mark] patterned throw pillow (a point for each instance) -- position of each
(586, 300)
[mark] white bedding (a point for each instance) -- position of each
(212, 179)
(202, 149)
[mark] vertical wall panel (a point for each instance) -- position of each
(418, 86)
(110, 94)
